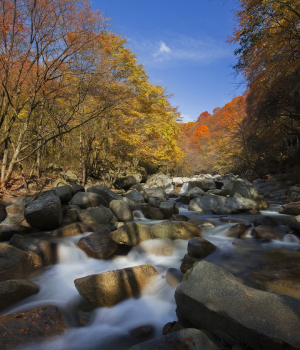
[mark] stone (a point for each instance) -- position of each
(202, 223)
(64, 193)
(88, 199)
(179, 217)
(12, 291)
(156, 192)
(72, 215)
(221, 211)
(206, 202)
(188, 338)
(128, 181)
(76, 228)
(237, 204)
(14, 263)
(142, 332)
(187, 262)
(269, 233)
(200, 248)
(159, 180)
(152, 213)
(30, 326)
(44, 213)
(294, 223)
(168, 209)
(7, 231)
(77, 188)
(46, 250)
(111, 287)
(211, 298)
(184, 200)
(265, 221)
(96, 216)
(174, 277)
(154, 202)
(194, 192)
(175, 230)
(121, 210)
(292, 208)
(204, 185)
(104, 192)
(131, 234)
(98, 245)
(244, 188)
(135, 196)
(237, 231)
(69, 177)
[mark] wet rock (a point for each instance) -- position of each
(189, 338)
(121, 210)
(98, 245)
(183, 199)
(200, 248)
(88, 199)
(12, 291)
(156, 192)
(46, 250)
(175, 230)
(174, 277)
(44, 213)
(104, 192)
(72, 215)
(30, 326)
(131, 234)
(294, 223)
(187, 262)
(96, 216)
(111, 287)
(72, 230)
(160, 247)
(237, 231)
(236, 204)
(64, 193)
(212, 298)
(206, 202)
(168, 209)
(152, 213)
(179, 217)
(14, 263)
(142, 332)
(237, 244)
(7, 231)
(135, 196)
(154, 202)
(292, 208)
(270, 232)
(222, 211)
(173, 194)
(194, 192)
(84, 319)
(202, 223)
(265, 221)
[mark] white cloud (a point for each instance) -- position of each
(162, 49)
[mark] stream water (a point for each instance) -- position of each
(110, 326)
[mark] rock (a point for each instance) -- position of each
(30, 326)
(221, 211)
(265, 221)
(292, 208)
(237, 231)
(88, 199)
(128, 181)
(194, 192)
(15, 214)
(204, 185)
(7, 231)
(184, 200)
(178, 217)
(244, 188)
(173, 194)
(142, 332)
(154, 202)
(188, 338)
(98, 245)
(131, 234)
(200, 248)
(84, 318)
(160, 247)
(71, 216)
(168, 209)
(12, 291)
(174, 277)
(64, 193)
(135, 196)
(77, 188)
(104, 192)
(269, 233)
(71, 230)
(187, 262)
(121, 210)
(46, 250)
(14, 263)
(206, 202)
(152, 213)
(202, 223)
(175, 230)
(69, 177)
(236, 204)
(212, 298)
(44, 213)
(156, 192)
(111, 287)
(96, 216)
(159, 180)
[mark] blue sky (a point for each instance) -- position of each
(182, 45)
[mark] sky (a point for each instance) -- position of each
(182, 45)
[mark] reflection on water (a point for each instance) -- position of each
(110, 327)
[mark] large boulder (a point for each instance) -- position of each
(205, 184)
(188, 338)
(98, 245)
(111, 287)
(104, 192)
(168, 209)
(131, 234)
(292, 208)
(159, 180)
(238, 203)
(175, 230)
(156, 192)
(200, 248)
(12, 291)
(7, 231)
(213, 299)
(121, 210)
(207, 203)
(152, 213)
(44, 213)
(30, 326)
(135, 196)
(269, 233)
(96, 216)
(14, 263)
(64, 193)
(128, 181)
(88, 199)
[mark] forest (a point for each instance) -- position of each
(74, 95)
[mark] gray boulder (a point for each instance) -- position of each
(200, 248)
(135, 196)
(156, 192)
(128, 181)
(131, 234)
(96, 216)
(7, 231)
(121, 210)
(205, 184)
(88, 199)
(111, 287)
(159, 180)
(64, 193)
(44, 213)
(104, 192)
(292, 208)
(168, 209)
(175, 230)
(269, 233)
(213, 299)
(294, 223)
(152, 213)
(207, 202)
(238, 203)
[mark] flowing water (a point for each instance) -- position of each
(110, 326)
